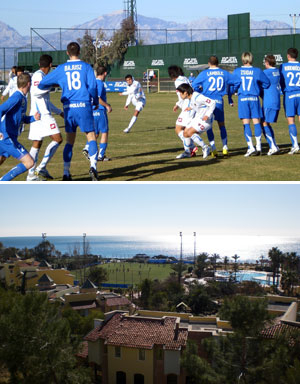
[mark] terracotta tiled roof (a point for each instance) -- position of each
(279, 329)
(111, 302)
(140, 332)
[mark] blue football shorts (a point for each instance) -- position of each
(79, 114)
(249, 107)
(270, 115)
(291, 102)
(10, 147)
(100, 121)
(219, 111)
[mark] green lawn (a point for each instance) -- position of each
(148, 152)
(133, 273)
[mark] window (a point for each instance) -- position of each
(138, 378)
(121, 377)
(142, 354)
(117, 351)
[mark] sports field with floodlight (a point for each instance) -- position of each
(148, 152)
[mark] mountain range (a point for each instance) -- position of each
(151, 31)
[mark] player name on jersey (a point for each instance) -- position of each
(73, 67)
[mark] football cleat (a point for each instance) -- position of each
(225, 152)
(250, 152)
(44, 173)
(85, 153)
(206, 151)
(273, 151)
(33, 178)
(127, 130)
(294, 150)
(103, 158)
(67, 177)
(94, 174)
(194, 151)
(214, 153)
(184, 155)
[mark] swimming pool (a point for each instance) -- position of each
(247, 275)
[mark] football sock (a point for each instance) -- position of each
(180, 135)
(67, 156)
(132, 121)
(50, 151)
(293, 134)
(93, 153)
(34, 153)
(269, 134)
(248, 135)
(211, 138)
(102, 149)
(20, 168)
(187, 144)
(223, 133)
(257, 132)
(197, 139)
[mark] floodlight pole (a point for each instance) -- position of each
(295, 18)
(84, 254)
(180, 262)
(194, 249)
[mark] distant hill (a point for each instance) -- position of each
(182, 32)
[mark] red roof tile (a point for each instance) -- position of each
(111, 302)
(140, 332)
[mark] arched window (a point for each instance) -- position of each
(121, 377)
(171, 379)
(138, 378)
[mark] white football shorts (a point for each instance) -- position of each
(47, 126)
(139, 105)
(199, 124)
(185, 117)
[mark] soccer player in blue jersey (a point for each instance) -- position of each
(100, 115)
(79, 94)
(214, 83)
(290, 86)
(13, 115)
(248, 82)
(271, 102)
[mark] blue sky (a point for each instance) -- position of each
(56, 13)
(149, 209)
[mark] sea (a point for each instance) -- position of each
(248, 248)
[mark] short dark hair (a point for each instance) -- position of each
(213, 60)
(45, 61)
(271, 60)
(23, 79)
(100, 70)
(73, 49)
(20, 69)
(184, 87)
(174, 71)
(293, 52)
(128, 76)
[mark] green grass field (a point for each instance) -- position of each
(148, 152)
(133, 273)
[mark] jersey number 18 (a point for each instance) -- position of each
(73, 80)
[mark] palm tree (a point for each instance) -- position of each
(214, 257)
(225, 261)
(276, 256)
(235, 266)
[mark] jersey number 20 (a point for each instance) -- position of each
(73, 80)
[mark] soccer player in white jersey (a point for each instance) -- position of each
(46, 126)
(12, 84)
(136, 96)
(186, 115)
(290, 86)
(202, 121)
